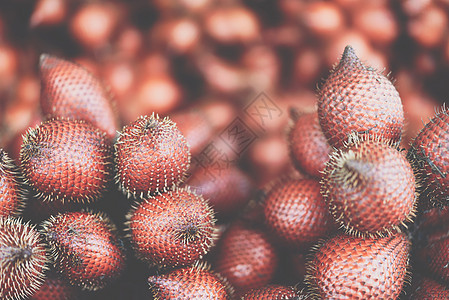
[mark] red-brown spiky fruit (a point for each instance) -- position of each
(175, 228)
(70, 91)
(309, 148)
(369, 187)
(23, 259)
(195, 282)
(432, 254)
(429, 156)
(271, 292)
(67, 159)
(428, 289)
(246, 258)
(349, 267)
(11, 187)
(227, 188)
(85, 248)
(358, 98)
(151, 155)
(55, 288)
(297, 213)
(433, 218)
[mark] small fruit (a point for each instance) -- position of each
(11, 191)
(85, 248)
(70, 91)
(67, 159)
(297, 213)
(175, 228)
(55, 288)
(369, 187)
(151, 155)
(357, 98)
(348, 267)
(308, 145)
(271, 292)
(23, 259)
(227, 188)
(246, 258)
(195, 282)
(429, 156)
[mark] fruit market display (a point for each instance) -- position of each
(224, 149)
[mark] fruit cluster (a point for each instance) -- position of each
(360, 218)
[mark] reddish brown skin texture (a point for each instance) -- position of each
(70, 91)
(55, 288)
(67, 159)
(347, 267)
(309, 148)
(380, 195)
(151, 155)
(86, 249)
(428, 289)
(246, 258)
(160, 225)
(189, 283)
(357, 98)
(271, 292)
(21, 276)
(433, 218)
(10, 188)
(429, 155)
(296, 212)
(433, 256)
(227, 189)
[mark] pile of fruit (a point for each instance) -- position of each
(94, 210)
(181, 150)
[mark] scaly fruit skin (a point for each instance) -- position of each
(195, 282)
(348, 267)
(11, 187)
(369, 187)
(432, 255)
(357, 98)
(151, 155)
(175, 228)
(246, 258)
(227, 189)
(85, 248)
(70, 91)
(23, 259)
(297, 213)
(55, 288)
(428, 289)
(68, 160)
(271, 292)
(309, 148)
(429, 156)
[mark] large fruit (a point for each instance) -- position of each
(151, 155)
(297, 213)
(67, 159)
(348, 267)
(246, 258)
(195, 282)
(175, 228)
(309, 148)
(369, 187)
(358, 98)
(23, 259)
(70, 91)
(429, 156)
(11, 190)
(85, 248)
